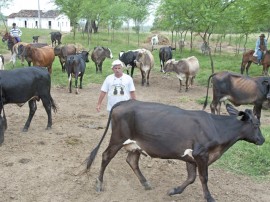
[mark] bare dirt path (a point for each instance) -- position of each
(44, 165)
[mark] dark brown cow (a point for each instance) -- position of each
(238, 89)
(56, 37)
(42, 57)
(98, 56)
(62, 51)
(167, 132)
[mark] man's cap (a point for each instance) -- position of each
(262, 35)
(117, 62)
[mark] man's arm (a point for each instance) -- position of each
(132, 95)
(101, 97)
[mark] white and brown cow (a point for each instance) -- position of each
(184, 68)
(145, 61)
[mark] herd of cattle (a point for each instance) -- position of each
(196, 137)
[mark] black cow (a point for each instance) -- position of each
(29, 84)
(167, 132)
(35, 39)
(238, 89)
(75, 65)
(128, 58)
(98, 55)
(63, 51)
(165, 54)
(56, 37)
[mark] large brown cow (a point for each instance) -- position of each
(145, 61)
(42, 57)
(238, 89)
(167, 132)
(21, 53)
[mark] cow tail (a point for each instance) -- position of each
(53, 104)
(93, 154)
(206, 97)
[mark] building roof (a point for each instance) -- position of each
(34, 14)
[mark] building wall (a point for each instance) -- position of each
(61, 23)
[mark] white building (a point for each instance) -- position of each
(51, 19)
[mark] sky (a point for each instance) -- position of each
(18, 5)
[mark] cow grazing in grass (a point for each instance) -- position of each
(167, 132)
(165, 54)
(29, 84)
(145, 61)
(62, 51)
(75, 65)
(56, 38)
(42, 57)
(239, 90)
(98, 56)
(184, 68)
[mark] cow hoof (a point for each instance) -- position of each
(49, 128)
(98, 185)
(147, 186)
(174, 191)
(24, 129)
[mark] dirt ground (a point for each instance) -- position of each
(45, 165)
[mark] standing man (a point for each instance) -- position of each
(118, 87)
(15, 32)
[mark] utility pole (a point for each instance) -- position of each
(39, 20)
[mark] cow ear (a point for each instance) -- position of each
(231, 110)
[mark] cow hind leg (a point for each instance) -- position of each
(48, 108)
(32, 109)
(107, 156)
(76, 85)
(191, 170)
(133, 161)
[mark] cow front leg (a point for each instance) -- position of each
(69, 82)
(76, 84)
(32, 109)
(81, 78)
(133, 161)
(201, 157)
(187, 79)
(143, 77)
(180, 85)
(107, 156)
(148, 74)
(191, 170)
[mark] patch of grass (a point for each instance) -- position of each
(248, 159)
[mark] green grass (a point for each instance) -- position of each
(242, 158)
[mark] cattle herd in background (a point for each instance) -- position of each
(198, 155)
